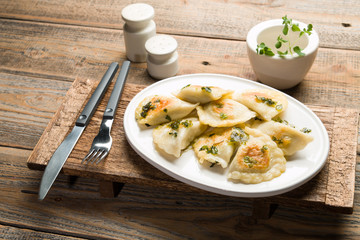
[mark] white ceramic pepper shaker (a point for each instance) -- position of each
(162, 59)
(138, 28)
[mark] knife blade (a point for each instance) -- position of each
(61, 154)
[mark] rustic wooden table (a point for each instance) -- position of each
(46, 45)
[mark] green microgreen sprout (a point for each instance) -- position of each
(263, 49)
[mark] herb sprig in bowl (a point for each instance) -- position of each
(263, 49)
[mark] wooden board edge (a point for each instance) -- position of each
(31, 161)
(340, 190)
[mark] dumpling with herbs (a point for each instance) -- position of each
(224, 113)
(177, 135)
(218, 145)
(288, 139)
(267, 103)
(154, 110)
(200, 94)
(258, 160)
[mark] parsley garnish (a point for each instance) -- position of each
(250, 161)
(277, 140)
(305, 130)
(185, 86)
(212, 150)
(238, 136)
(219, 105)
(174, 125)
(146, 108)
(206, 89)
(187, 123)
(223, 116)
(264, 148)
(267, 101)
(173, 133)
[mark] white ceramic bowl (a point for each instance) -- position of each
(281, 72)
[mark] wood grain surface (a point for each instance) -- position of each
(45, 45)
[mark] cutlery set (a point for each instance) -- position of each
(102, 142)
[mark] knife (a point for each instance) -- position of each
(61, 154)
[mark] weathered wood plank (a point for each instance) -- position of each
(26, 105)
(7, 232)
(344, 185)
(334, 20)
(143, 212)
(34, 74)
(67, 52)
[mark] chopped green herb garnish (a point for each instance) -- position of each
(278, 119)
(283, 121)
(212, 150)
(279, 107)
(223, 116)
(167, 117)
(146, 108)
(206, 89)
(219, 105)
(165, 110)
(148, 125)
(267, 101)
(278, 141)
(186, 86)
(212, 134)
(250, 161)
(305, 130)
(187, 123)
(174, 125)
(173, 133)
(264, 148)
(238, 136)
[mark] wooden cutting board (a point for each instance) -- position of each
(332, 188)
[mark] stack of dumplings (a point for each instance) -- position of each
(238, 130)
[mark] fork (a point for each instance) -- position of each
(101, 144)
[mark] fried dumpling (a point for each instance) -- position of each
(258, 160)
(177, 135)
(154, 110)
(200, 94)
(288, 139)
(218, 145)
(224, 113)
(267, 103)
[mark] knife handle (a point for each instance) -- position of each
(117, 91)
(99, 92)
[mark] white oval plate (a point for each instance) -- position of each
(300, 167)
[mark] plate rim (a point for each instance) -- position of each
(216, 189)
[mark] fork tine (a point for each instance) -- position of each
(87, 156)
(97, 155)
(102, 157)
(92, 155)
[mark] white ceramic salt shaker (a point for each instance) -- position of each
(162, 59)
(138, 28)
